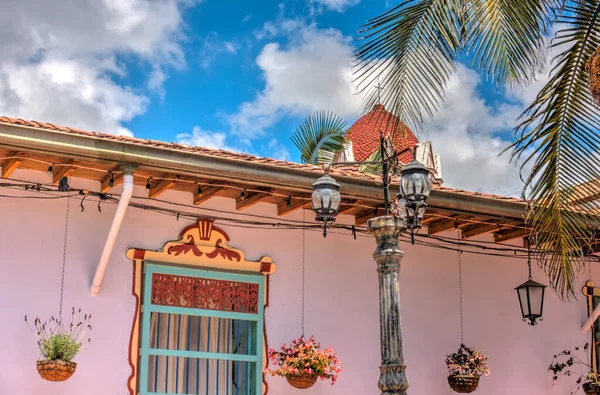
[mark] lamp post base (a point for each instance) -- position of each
(387, 229)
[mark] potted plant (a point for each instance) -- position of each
(568, 363)
(59, 343)
(464, 369)
(303, 362)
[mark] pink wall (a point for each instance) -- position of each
(341, 300)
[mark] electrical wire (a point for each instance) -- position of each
(431, 241)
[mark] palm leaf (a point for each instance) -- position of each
(507, 37)
(320, 137)
(411, 49)
(558, 136)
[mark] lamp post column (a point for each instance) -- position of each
(387, 229)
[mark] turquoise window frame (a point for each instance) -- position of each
(147, 308)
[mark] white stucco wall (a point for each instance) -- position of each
(341, 300)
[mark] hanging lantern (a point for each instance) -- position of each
(592, 67)
(531, 297)
(326, 200)
(415, 187)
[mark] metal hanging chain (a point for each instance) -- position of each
(303, 256)
(529, 258)
(62, 279)
(460, 286)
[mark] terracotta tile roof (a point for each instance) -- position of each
(364, 134)
(348, 172)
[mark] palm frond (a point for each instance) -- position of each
(558, 136)
(320, 137)
(507, 37)
(412, 50)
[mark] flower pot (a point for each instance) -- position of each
(463, 384)
(591, 388)
(56, 370)
(302, 381)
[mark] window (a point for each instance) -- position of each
(201, 332)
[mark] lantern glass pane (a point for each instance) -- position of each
(406, 186)
(523, 298)
(335, 200)
(427, 185)
(326, 198)
(316, 199)
(535, 299)
(418, 183)
(421, 212)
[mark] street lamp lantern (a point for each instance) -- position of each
(326, 200)
(531, 296)
(415, 187)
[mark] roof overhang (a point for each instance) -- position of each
(92, 148)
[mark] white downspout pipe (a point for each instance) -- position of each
(113, 232)
(591, 319)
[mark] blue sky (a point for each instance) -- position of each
(229, 74)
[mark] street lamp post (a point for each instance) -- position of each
(415, 186)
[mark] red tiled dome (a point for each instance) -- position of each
(364, 134)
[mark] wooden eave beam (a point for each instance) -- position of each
(252, 198)
(295, 203)
(60, 171)
(12, 164)
(348, 206)
(445, 224)
(362, 217)
(479, 229)
(117, 179)
(509, 234)
(208, 192)
(162, 185)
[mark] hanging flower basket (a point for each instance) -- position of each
(463, 384)
(591, 388)
(592, 67)
(302, 381)
(59, 343)
(56, 370)
(303, 362)
(464, 369)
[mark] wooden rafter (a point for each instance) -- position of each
(586, 192)
(479, 229)
(348, 206)
(362, 217)
(12, 164)
(293, 203)
(105, 182)
(251, 198)
(509, 234)
(446, 224)
(162, 185)
(208, 192)
(60, 171)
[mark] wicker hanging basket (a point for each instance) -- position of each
(592, 67)
(463, 384)
(302, 381)
(591, 388)
(56, 370)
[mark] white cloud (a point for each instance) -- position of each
(336, 5)
(205, 138)
(56, 58)
(277, 150)
(465, 132)
(312, 72)
(212, 47)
